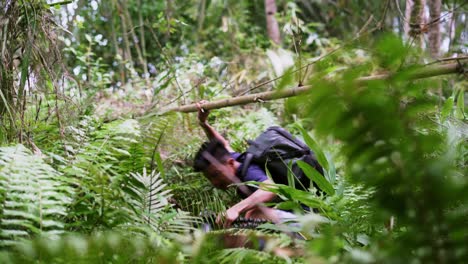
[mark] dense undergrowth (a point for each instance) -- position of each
(90, 172)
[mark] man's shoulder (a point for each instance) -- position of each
(255, 173)
(235, 155)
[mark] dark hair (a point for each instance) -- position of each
(214, 148)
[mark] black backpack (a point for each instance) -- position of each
(279, 151)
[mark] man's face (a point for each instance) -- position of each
(220, 175)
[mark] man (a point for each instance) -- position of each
(222, 167)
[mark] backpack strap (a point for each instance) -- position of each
(245, 165)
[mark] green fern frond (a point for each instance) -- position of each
(156, 210)
(153, 132)
(34, 196)
(198, 199)
(99, 167)
(109, 194)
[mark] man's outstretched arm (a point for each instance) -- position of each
(255, 199)
(210, 132)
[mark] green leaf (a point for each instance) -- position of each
(288, 205)
(447, 108)
(291, 176)
(89, 38)
(6, 104)
(289, 193)
(321, 158)
(33, 195)
(460, 110)
(159, 163)
(331, 171)
(316, 177)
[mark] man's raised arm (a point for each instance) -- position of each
(210, 132)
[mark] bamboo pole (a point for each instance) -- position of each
(419, 73)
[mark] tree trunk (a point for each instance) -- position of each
(8, 67)
(126, 52)
(117, 49)
(272, 23)
(136, 42)
(414, 21)
(452, 29)
(168, 12)
(406, 27)
(434, 27)
(201, 15)
(423, 72)
(142, 37)
(417, 21)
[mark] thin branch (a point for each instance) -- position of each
(448, 59)
(358, 36)
(369, 20)
(169, 61)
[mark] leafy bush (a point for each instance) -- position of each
(392, 146)
(109, 192)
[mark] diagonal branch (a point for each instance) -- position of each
(419, 73)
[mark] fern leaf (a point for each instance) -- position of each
(34, 197)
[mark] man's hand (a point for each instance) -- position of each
(210, 132)
(226, 219)
(202, 113)
(258, 197)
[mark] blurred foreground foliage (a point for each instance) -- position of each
(89, 173)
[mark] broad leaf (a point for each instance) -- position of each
(447, 108)
(321, 158)
(316, 177)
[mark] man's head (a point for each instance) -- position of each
(216, 164)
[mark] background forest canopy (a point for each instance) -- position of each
(93, 166)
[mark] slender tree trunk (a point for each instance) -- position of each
(115, 43)
(136, 42)
(127, 52)
(6, 64)
(272, 23)
(434, 27)
(142, 36)
(168, 13)
(408, 8)
(414, 21)
(417, 22)
(9, 68)
(201, 14)
(452, 29)
(434, 39)
(400, 24)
